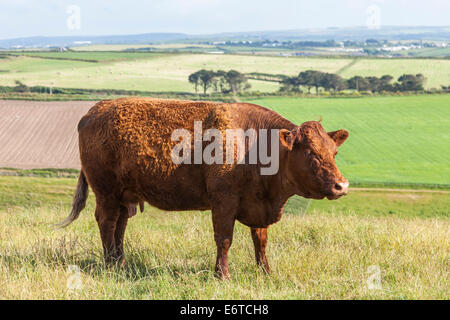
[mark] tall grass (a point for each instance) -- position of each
(329, 252)
(171, 256)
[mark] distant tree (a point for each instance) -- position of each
(358, 83)
(332, 81)
(236, 81)
(410, 82)
(226, 81)
(290, 84)
(206, 79)
(306, 79)
(420, 78)
(311, 78)
(194, 78)
(220, 82)
(386, 78)
(375, 84)
(386, 83)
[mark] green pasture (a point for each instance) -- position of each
(393, 140)
(97, 56)
(159, 46)
(436, 71)
(169, 71)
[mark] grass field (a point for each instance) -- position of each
(328, 253)
(96, 56)
(393, 140)
(436, 71)
(169, 71)
(121, 47)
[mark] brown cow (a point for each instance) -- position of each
(125, 150)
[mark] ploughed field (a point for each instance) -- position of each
(169, 71)
(393, 140)
(370, 244)
(37, 134)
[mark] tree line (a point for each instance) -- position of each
(231, 81)
(333, 82)
(235, 82)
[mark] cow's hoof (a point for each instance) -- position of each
(122, 263)
(222, 275)
(265, 268)
(114, 263)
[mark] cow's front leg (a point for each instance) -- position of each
(259, 236)
(223, 222)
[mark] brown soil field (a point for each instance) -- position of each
(38, 134)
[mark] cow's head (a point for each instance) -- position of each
(311, 167)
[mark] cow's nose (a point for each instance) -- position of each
(341, 188)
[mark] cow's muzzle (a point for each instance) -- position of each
(337, 190)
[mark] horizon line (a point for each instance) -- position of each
(229, 32)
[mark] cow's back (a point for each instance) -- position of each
(127, 142)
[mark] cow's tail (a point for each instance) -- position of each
(79, 201)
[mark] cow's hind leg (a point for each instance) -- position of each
(259, 236)
(107, 215)
(119, 234)
(223, 235)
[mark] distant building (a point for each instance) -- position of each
(82, 42)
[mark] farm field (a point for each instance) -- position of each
(40, 134)
(400, 140)
(328, 252)
(436, 71)
(393, 140)
(422, 52)
(122, 47)
(169, 71)
(94, 56)
(324, 254)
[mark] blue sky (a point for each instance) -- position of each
(23, 18)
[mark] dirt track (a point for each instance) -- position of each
(37, 134)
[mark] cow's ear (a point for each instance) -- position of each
(339, 136)
(287, 138)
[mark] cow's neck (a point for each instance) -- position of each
(277, 189)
